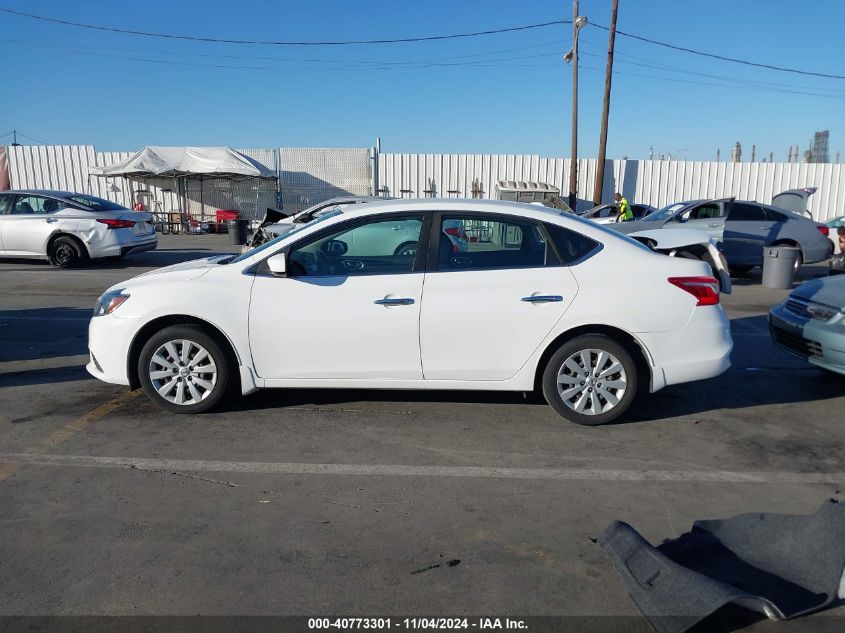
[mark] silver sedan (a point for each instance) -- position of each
(69, 228)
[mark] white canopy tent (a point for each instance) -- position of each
(158, 161)
(232, 173)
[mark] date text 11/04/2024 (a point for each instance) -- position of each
(385, 624)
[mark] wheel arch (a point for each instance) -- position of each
(54, 236)
(159, 323)
(627, 340)
(786, 241)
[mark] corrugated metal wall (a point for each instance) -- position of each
(66, 167)
(652, 182)
(309, 175)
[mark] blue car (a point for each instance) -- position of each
(811, 323)
(742, 229)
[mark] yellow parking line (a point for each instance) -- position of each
(69, 430)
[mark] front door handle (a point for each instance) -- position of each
(394, 301)
(543, 299)
(715, 226)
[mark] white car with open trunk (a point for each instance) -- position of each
(524, 302)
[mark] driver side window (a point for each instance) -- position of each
(385, 246)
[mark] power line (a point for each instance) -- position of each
(723, 57)
(33, 139)
(195, 38)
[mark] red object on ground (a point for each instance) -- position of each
(221, 215)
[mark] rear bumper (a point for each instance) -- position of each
(699, 350)
(139, 248)
(117, 243)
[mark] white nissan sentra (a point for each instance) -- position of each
(531, 299)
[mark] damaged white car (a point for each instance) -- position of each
(689, 244)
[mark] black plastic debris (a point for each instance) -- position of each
(780, 565)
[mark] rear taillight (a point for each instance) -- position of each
(823, 229)
(705, 289)
(117, 224)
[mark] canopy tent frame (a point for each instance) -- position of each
(184, 164)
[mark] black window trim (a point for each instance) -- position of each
(759, 206)
(260, 268)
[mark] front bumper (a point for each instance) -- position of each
(821, 343)
(109, 339)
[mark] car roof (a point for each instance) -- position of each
(55, 193)
(466, 205)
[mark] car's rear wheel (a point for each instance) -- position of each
(183, 370)
(66, 252)
(590, 380)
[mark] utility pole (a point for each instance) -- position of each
(577, 23)
(753, 153)
(15, 139)
(608, 76)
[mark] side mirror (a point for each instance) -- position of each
(278, 264)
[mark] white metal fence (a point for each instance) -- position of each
(652, 182)
(309, 175)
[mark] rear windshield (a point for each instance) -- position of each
(97, 204)
(790, 202)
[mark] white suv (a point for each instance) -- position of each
(524, 303)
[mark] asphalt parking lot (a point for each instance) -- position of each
(370, 503)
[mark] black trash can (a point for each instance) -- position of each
(237, 230)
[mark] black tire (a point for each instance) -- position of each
(406, 249)
(627, 376)
(66, 252)
(739, 270)
(183, 375)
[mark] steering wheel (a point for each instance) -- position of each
(324, 263)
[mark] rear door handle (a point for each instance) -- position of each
(543, 299)
(394, 301)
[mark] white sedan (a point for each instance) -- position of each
(526, 304)
(69, 228)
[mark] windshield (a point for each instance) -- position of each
(284, 236)
(664, 213)
(97, 204)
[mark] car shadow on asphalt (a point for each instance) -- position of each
(760, 374)
(150, 259)
(45, 376)
(37, 333)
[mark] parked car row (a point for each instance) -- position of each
(741, 229)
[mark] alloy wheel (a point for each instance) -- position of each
(182, 372)
(591, 381)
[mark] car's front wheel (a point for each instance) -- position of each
(590, 380)
(183, 370)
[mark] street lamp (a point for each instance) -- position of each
(578, 22)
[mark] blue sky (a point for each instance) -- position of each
(507, 93)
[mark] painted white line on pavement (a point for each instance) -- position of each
(283, 468)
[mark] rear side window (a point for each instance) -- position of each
(479, 243)
(777, 216)
(5, 203)
(571, 246)
(744, 211)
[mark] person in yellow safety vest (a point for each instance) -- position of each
(625, 213)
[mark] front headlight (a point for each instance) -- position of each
(109, 302)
